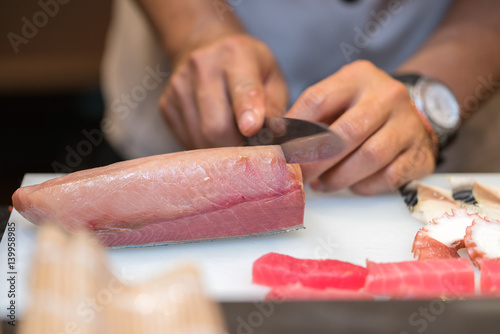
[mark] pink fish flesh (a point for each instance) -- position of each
(436, 278)
(490, 277)
(178, 197)
(275, 269)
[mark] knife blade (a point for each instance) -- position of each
(301, 141)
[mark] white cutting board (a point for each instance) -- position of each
(339, 226)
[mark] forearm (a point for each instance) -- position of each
(464, 52)
(185, 24)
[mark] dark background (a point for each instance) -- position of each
(49, 90)
(49, 94)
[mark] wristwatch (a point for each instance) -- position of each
(437, 103)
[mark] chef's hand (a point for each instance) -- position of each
(385, 142)
(221, 87)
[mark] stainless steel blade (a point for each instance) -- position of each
(301, 141)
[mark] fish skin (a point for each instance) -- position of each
(177, 197)
(439, 278)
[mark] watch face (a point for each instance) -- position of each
(440, 105)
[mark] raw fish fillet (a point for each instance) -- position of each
(490, 277)
(299, 292)
(442, 237)
(438, 278)
(275, 269)
(178, 197)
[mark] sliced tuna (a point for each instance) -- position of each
(275, 269)
(490, 277)
(433, 278)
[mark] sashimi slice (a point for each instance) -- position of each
(178, 197)
(490, 277)
(442, 237)
(275, 269)
(483, 240)
(300, 292)
(426, 202)
(438, 278)
(477, 197)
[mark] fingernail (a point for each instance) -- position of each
(247, 120)
(316, 185)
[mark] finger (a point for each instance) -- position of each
(326, 100)
(377, 151)
(412, 164)
(352, 128)
(218, 125)
(276, 93)
(246, 91)
(183, 91)
(373, 155)
(171, 112)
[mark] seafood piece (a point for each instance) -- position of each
(442, 237)
(438, 278)
(490, 277)
(476, 197)
(275, 269)
(482, 240)
(177, 197)
(426, 202)
(300, 292)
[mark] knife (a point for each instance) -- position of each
(301, 141)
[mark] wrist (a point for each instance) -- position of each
(198, 34)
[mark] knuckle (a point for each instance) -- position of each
(362, 190)
(334, 184)
(233, 44)
(373, 153)
(397, 91)
(350, 131)
(199, 58)
(248, 87)
(214, 132)
(393, 178)
(313, 97)
(176, 82)
(360, 65)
